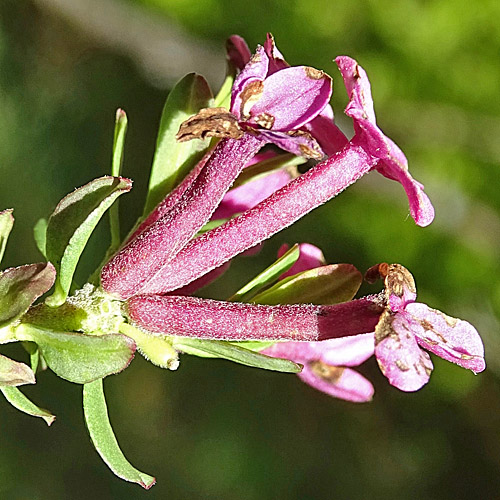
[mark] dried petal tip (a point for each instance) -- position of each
(210, 122)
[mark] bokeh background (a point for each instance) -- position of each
(215, 430)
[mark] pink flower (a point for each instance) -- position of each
(369, 149)
(327, 364)
(407, 326)
(271, 107)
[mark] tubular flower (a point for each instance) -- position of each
(406, 326)
(327, 364)
(368, 149)
(269, 107)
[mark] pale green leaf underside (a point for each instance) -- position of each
(18, 400)
(71, 225)
(173, 160)
(103, 438)
(77, 357)
(232, 352)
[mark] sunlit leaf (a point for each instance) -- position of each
(13, 373)
(232, 352)
(77, 357)
(103, 438)
(6, 223)
(322, 285)
(18, 400)
(21, 286)
(71, 225)
(173, 160)
(268, 276)
(116, 170)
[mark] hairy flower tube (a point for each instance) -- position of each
(327, 365)
(368, 149)
(298, 311)
(279, 102)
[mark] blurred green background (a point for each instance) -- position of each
(215, 430)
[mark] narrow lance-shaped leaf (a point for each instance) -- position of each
(173, 159)
(116, 170)
(103, 438)
(21, 286)
(40, 235)
(238, 354)
(80, 358)
(268, 276)
(71, 225)
(13, 373)
(18, 400)
(6, 224)
(330, 284)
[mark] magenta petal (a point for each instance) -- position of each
(254, 71)
(276, 59)
(393, 164)
(238, 52)
(348, 351)
(248, 195)
(299, 143)
(452, 339)
(212, 319)
(330, 138)
(137, 263)
(310, 256)
(298, 197)
(343, 351)
(400, 359)
(421, 208)
(358, 88)
(344, 383)
(291, 98)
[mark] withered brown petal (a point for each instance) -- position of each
(210, 122)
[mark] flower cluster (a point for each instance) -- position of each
(300, 315)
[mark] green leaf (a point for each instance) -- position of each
(6, 224)
(223, 97)
(232, 352)
(71, 225)
(77, 357)
(103, 437)
(264, 167)
(268, 276)
(116, 170)
(322, 285)
(174, 160)
(211, 224)
(18, 400)
(21, 286)
(13, 373)
(40, 235)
